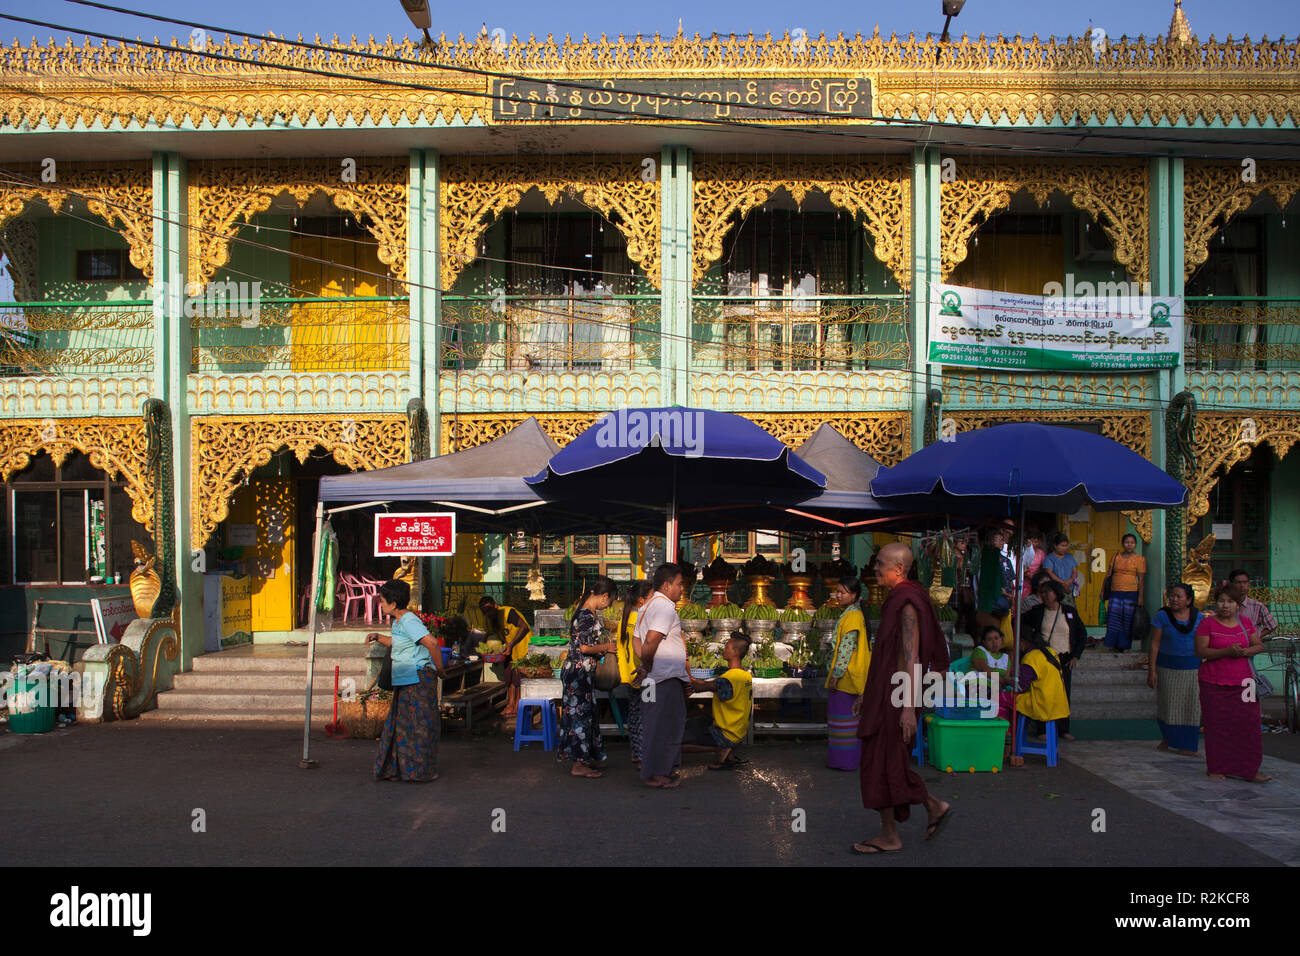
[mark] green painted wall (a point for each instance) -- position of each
(1284, 519)
(1282, 252)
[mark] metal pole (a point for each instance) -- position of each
(306, 763)
(1015, 624)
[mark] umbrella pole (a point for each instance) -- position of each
(670, 534)
(306, 763)
(1015, 624)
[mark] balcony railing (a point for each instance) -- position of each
(76, 338)
(558, 333)
(793, 333)
(329, 334)
(1257, 333)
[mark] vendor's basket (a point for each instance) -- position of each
(364, 718)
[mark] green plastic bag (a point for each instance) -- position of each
(329, 562)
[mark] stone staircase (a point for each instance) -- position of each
(1109, 686)
(260, 683)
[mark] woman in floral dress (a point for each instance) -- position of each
(579, 728)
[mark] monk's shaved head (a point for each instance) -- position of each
(895, 554)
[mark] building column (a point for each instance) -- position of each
(675, 168)
(1166, 257)
(925, 272)
(173, 340)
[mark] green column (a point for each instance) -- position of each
(925, 271)
(1166, 256)
(675, 295)
(172, 344)
(424, 286)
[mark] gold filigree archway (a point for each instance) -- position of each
(885, 436)
(475, 190)
(1131, 429)
(224, 195)
(117, 446)
(121, 194)
(878, 190)
(1226, 440)
(1215, 192)
(1114, 192)
(227, 449)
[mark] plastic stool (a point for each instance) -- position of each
(1046, 749)
(548, 736)
(919, 749)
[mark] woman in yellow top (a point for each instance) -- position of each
(1127, 572)
(848, 677)
(514, 632)
(1042, 690)
(629, 659)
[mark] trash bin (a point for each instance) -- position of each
(30, 710)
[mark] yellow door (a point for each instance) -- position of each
(353, 335)
(1099, 539)
(272, 570)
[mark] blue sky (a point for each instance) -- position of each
(1272, 17)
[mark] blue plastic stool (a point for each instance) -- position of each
(1046, 749)
(918, 751)
(548, 736)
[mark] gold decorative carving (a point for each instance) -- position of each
(885, 436)
(126, 692)
(878, 190)
(227, 449)
(1018, 79)
(1226, 440)
(1130, 428)
(225, 194)
(1114, 192)
(475, 190)
(116, 446)
(1214, 192)
(18, 243)
(121, 194)
(471, 430)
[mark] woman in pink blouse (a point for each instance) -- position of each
(1225, 641)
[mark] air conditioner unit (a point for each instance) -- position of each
(1090, 242)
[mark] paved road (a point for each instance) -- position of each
(125, 794)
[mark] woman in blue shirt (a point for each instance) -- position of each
(1173, 672)
(1060, 564)
(408, 747)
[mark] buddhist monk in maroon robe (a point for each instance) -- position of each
(909, 642)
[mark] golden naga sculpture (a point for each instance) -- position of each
(145, 583)
(1197, 571)
(406, 571)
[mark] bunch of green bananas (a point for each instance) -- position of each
(760, 612)
(828, 612)
(724, 610)
(795, 614)
(691, 612)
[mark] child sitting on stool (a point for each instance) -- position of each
(1042, 691)
(733, 695)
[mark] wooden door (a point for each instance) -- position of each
(1100, 531)
(272, 569)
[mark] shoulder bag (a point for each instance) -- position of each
(606, 675)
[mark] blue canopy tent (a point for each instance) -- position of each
(666, 460)
(1009, 469)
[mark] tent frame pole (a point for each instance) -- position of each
(306, 763)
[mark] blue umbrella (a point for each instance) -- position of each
(673, 458)
(1009, 469)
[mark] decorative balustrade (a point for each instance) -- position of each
(554, 333)
(1259, 333)
(796, 333)
(356, 333)
(76, 338)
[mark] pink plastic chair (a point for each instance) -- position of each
(376, 585)
(354, 591)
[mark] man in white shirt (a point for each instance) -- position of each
(664, 689)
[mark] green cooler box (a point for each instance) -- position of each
(966, 745)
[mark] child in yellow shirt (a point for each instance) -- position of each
(733, 696)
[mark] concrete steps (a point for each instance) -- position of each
(260, 683)
(1108, 686)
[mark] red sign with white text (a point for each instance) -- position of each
(415, 535)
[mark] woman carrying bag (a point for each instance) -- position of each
(580, 739)
(1122, 591)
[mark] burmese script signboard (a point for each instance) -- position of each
(1111, 333)
(427, 535)
(769, 99)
